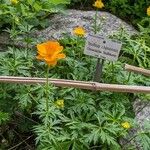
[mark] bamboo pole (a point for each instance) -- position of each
(137, 70)
(95, 86)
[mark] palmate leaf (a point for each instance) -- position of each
(62, 146)
(56, 146)
(24, 99)
(80, 102)
(98, 135)
(47, 134)
(78, 146)
(106, 138)
(102, 131)
(68, 145)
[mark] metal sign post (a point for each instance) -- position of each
(99, 70)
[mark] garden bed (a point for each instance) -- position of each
(47, 117)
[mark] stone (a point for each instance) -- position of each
(142, 111)
(142, 116)
(64, 23)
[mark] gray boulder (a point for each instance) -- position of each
(64, 23)
(142, 111)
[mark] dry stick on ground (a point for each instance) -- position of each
(20, 143)
(18, 114)
(137, 70)
(95, 86)
(22, 138)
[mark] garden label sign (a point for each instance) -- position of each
(102, 47)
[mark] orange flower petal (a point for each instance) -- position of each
(52, 47)
(60, 56)
(55, 57)
(39, 57)
(50, 58)
(41, 49)
(52, 63)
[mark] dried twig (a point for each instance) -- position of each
(20, 143)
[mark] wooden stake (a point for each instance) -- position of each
(95, 86)
(137, 70)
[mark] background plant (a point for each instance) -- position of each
(31, 11)
(130, 10)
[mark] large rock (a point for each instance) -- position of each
(64, 23)
(142, 116)
(142, 111)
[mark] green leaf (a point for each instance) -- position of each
(3, 117)
(63, 145)
(31, 2)
(37, 7)
(56, 2)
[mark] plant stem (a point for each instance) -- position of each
(47, 85)
(27, 44)
(95, 22)
(99, 65)
(129, 75)
(113, 72)
(13, 38)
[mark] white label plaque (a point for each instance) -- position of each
(102, 47)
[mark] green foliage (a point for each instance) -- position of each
(135, 48)
(139, 138)
(123, 5)
(130, 10)
(31, 11)
(143, 136)
(145, 33)
(3, 117)
(82, 4)
(17, 66)
(89, 119)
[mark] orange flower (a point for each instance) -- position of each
(50, 52)
(148, 11)
(14, 2)
(59, 103)
(79, 31)
(98, 4)
(126, 125)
